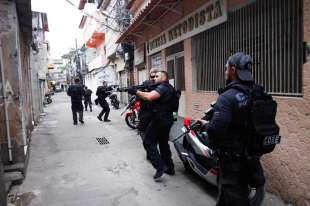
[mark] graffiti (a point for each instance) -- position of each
(8, 92)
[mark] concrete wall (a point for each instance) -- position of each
(15, 65)
(38, 63)
(288, 167)
(3, 195)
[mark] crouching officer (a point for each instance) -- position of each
(157, 131)
(103, 92)
(226, 135)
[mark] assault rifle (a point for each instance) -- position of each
(141, 87)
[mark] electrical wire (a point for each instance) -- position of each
(92, 17)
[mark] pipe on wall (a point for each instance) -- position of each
(7, 121)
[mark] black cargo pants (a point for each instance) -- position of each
(105, 109)
(233, 182)
(157, 134)
(87, 101)
(77, 107)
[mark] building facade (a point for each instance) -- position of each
(15, 102)
(39, 63)
(101, 29)
(192, 41)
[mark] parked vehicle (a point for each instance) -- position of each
(114, 101)
(197, 157)
(132, 115)
(47, 99)
(58, 88)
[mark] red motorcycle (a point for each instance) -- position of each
(132, 114)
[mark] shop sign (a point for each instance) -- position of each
(207, 16)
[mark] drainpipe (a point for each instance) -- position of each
(6, 107)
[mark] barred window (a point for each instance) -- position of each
(271, 31)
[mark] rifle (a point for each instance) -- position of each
(141, 87)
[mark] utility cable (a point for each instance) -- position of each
(91, 16)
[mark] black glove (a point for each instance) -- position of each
(132, 90)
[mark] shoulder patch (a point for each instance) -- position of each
(242, 99)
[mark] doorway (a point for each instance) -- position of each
(176, 71)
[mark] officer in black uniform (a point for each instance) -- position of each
(87, 99)
(145, 112)
(76, 92)
(103, 92)
(226, 134)
(157, 131)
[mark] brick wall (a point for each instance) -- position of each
(288, 168)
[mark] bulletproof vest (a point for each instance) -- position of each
(146, 105)
(233, 140)
(102, 92)
(164, 103)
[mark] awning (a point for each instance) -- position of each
(96, 40)
(148, 17)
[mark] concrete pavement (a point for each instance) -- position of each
(68, 167)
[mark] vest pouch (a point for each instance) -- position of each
(263, 139)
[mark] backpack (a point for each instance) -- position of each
(174, 99)
(176, 94)
(262, 133)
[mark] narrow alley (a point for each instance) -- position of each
(68, 166)
(230, 78)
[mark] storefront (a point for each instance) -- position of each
(192, 41)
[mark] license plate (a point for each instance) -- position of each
(272, 140)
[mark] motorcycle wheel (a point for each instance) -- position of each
(256, 195)
(131, 121)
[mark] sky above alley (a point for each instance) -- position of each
(63, 20)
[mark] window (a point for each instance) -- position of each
(271, 31)
(156, 60)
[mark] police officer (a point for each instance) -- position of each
(76, 92)
(226, 134)
(87, 99)
(145, 112)
(157, 131)
(102, 93)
